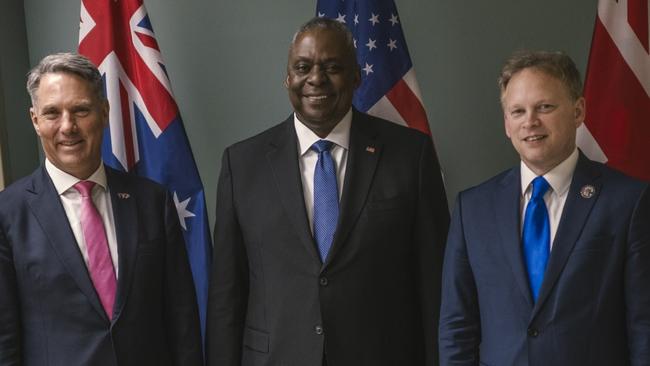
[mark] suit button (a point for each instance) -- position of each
(318, 329)
(323, 281)
(533, 332)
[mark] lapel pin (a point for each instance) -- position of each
(587, 191)
(123, 195)
(370, 149)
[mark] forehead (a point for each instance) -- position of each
(63, 85)
(319, 43)
(534, 83)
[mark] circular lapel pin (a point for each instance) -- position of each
(587, 191)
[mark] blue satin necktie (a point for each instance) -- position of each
(536, 236)
(326, 198)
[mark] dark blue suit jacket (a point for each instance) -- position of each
(594, 303)
(50, 313)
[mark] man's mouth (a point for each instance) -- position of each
(316, 98)
(534, 138)
(70, 143)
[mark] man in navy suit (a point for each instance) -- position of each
(547, 263)
(277, 297)
(93, 268)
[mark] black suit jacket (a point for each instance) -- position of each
(375, 301)
(50, 314)
(594, 303)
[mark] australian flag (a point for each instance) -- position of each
(145, 134)
(389, 88)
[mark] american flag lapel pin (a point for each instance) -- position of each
(370, 149)
(123, 195)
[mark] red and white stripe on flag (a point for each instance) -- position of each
(403, 104)
(617, 89)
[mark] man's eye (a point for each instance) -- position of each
(50, 115)
(333, 69)
(516, 112)
(301, 68)
(82, 112)
(546, 107)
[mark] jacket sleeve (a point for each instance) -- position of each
(228, 294)
(432, 223)
(637, 278)
(459, 314)
(10, 327)
(181, 310)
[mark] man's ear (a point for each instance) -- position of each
(286, 82)
(105, 108)
(580, 111)
(34, 118)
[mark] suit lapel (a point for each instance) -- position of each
(363, 155)
(48, 210)
(283, 159)
(507, 201)
(125, 214)
(574, 215)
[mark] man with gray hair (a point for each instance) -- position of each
(330, 229)
(93, 268)
(547, 263)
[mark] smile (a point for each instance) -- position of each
(534, 138)
(316, 98)
(70, 143)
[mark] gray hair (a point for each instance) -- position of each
(554, 63)
(328, 24)
(67, 62)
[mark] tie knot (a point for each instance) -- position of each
(540, 186)
(322, 145)
(84, 187)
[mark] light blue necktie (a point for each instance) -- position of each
(536, 236)
(326, 198)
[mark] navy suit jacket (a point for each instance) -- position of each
(594, 303)
(50, 314)
(375, 301)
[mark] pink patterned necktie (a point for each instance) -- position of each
(100, 265)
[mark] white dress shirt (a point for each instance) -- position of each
(307, 158)
(559, 179)
(71, 201)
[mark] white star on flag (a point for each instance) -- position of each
(320, 15)
(374, 19)
(340, 18)
(356, 19)
(392, 44)
(368, 69)
(393, 19)
(181, 208)
(371, 44)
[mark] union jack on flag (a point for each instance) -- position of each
(145, 134)
(389, 88)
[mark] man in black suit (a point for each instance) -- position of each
(351, 279)
(93, 268)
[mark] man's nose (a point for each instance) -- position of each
(68, 122)
(317, 75)
(532, 119)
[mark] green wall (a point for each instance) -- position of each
(226, 61)
(19, 146)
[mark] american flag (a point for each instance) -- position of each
(617, 88)
(145, 133)
(389, 88)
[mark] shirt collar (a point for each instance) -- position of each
(559, 178)
(64, 181)
(340, 135)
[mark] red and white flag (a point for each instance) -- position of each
(617, 89)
